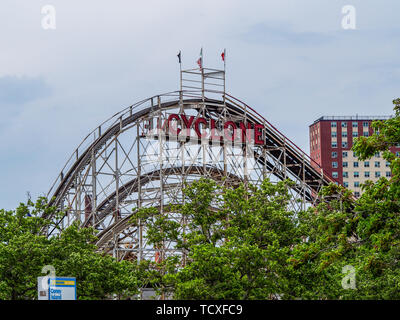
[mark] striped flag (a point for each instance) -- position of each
(200, 60)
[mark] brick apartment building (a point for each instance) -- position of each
(331, 140)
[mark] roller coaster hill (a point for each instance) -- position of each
(145, 154)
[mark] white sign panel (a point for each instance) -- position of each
(59, 288)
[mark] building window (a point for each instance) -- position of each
(344, 154)
(366, 134)
(334, 144)
(354, 155)
(365, 124)
(377, 154)
(355, 164)
(344, 134)
(366, 174)
(345, 164)
(355, 124)
(356, 194)
(377, 164)
(356, 184)
(334, 134)
(356, 174)
(344, 124)
(334, 164)
(377, 174)
(333, 124)
(334, 154)
(366, 164)
(387, 164)
(397, 154)
(388, 174)
(345, 174)
(344, 144)
(355, 134)
(335, 174)
(345, 184)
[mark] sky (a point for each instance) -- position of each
(291, 60)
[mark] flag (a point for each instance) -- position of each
(179, 56)
(200, 60)
(223, 55)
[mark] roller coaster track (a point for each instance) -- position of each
(279, 155)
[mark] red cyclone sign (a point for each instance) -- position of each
(239, 131)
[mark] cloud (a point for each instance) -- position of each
(290, 60)
(16, 90)
(284, 35)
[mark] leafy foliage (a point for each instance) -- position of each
(237, 241)
(246, 244)
(362, 233)
(24, 251)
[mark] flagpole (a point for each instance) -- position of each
(224, 72)
(180, 76)
(202, 73)
(180, 68)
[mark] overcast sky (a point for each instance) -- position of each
(291, 60)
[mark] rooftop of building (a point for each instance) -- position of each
(350, 118)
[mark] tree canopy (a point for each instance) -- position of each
(247, 244)
(24, 251)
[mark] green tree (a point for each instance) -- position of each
(24, 251)
(246, 244)
(329, 244)
(362, 233)
(378, 212)
(237, 242)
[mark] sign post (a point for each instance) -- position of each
(43, 288)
